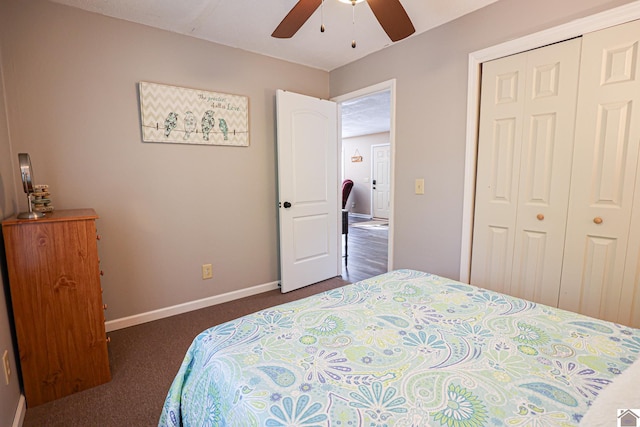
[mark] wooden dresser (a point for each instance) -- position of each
(54, 277)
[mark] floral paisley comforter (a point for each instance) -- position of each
(402, 349)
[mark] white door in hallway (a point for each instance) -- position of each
(381, 183)
(307, 144)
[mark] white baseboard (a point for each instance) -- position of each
(138, 319)
(21, 411)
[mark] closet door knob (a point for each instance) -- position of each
(540, 217)
(597, 220)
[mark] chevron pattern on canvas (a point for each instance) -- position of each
(190, 116)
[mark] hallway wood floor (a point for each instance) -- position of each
(367, 250)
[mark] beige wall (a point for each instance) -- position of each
(165, 209)
(10, 394)
(70, 79)
(431, 101)
(360, 172)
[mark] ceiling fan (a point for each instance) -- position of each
(389, 13)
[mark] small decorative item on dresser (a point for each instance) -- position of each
(26, 174)
(41, 201)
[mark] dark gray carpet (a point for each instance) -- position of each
(144, 359)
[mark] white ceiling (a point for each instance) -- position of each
(366, 115)
(248, 24)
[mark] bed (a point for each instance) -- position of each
(405, 348)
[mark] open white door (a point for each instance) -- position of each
(307, 140)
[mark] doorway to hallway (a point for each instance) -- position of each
(367, 249)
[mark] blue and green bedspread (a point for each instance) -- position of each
(402, 349)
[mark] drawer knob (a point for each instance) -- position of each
(597, 220)
(540, 217)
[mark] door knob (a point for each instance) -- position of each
(540, 217)
(287, 205)
(597, 220)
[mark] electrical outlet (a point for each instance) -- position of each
(7, 366)
(207, 271)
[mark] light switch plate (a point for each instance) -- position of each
(420, 186)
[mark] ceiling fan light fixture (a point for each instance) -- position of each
(389, 13)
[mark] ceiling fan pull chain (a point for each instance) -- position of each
(353, 17)
(322, 17)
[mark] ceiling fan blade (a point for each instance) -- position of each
(393, 18)
(296, 18)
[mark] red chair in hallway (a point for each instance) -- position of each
(347, 185)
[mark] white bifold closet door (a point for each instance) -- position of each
(526, 136)
(600, 272)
